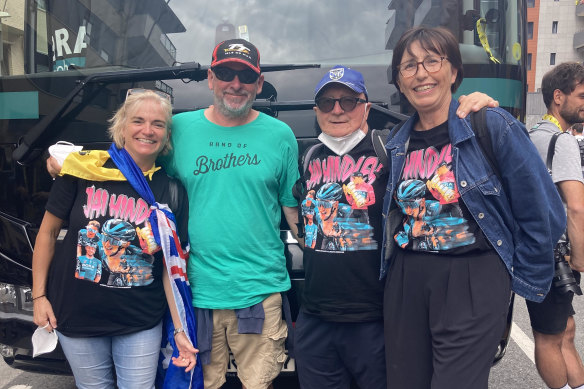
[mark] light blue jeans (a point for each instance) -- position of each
(134, 358)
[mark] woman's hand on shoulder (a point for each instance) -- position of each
(43, 315)
(187, 354)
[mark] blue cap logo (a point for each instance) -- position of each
(336, 74)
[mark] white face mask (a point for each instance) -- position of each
(62, 149)
(43, 341)
(342, 145)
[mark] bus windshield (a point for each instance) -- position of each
(66, 65)
(73, 34)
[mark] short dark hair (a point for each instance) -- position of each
(435, 39)
(578, 127)
(565, 77)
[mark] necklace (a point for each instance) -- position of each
(552, 119)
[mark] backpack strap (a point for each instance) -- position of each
(478, 121)
(551, 151)
(379, 138)
(173, 192)
(305, 158)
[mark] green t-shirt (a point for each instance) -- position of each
(237, 179)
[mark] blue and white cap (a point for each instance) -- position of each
(345, 76)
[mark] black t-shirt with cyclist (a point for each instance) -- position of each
(435, 217)
(106, 275)
(341, 211)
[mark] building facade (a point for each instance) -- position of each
(555, 30)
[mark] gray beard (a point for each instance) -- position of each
(232, 113)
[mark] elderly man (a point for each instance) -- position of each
(339, 331)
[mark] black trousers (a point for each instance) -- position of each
(443, 319)
(329, 354)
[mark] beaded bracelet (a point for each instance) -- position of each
(38, 297)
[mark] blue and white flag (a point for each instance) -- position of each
(163, 225)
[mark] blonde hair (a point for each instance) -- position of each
(119, 121)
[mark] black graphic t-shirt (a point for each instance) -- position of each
(342, 222)
(106, 275)
(435, 217)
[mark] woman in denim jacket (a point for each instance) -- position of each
(457, 237)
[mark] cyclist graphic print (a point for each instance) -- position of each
(337, 206)
(429, 200)
(107, 254)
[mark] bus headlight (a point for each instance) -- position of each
(8, 300)
(15, 299)
(25, 299)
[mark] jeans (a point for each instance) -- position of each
(134, 357)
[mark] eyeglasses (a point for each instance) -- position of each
(137, 91)
(410, 68)
(246, 76)
(347, 103)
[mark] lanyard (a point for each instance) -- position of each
(552, 119)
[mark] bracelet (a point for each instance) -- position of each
(38, 297)
(178, 331)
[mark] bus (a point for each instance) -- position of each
(65, 66)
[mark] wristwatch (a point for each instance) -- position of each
(178, 331)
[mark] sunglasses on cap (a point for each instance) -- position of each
(137, 91)
(246, 76)
(347, 103)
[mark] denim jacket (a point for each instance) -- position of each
(520, 213)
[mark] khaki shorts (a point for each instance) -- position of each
(259, 357)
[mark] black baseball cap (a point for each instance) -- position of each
(237, 50)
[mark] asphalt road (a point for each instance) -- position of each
(516, 370)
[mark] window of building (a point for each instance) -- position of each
(552, 58)
(530, 3)
(529, 30)
(554, 27)
(528, 61)
(88, 27)
(104, 55)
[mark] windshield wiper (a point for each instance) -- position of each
(192, 71)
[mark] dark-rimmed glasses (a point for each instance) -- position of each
(410, 68)
(347, 103)
(137, 91)
(246, 76)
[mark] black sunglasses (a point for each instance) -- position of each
(246, 76)
(347, 103)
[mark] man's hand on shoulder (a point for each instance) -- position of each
(474, 102)
(53, 166)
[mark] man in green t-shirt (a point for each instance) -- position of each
(238, 166)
